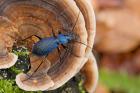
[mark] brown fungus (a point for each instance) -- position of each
(90, 72)
(7, 32)
(38, 18)
(34, 81)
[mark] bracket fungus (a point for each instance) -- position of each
(90, 72)
(7, 32)
(40, 18)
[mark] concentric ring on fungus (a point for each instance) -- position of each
(39, 17)
(7, 32)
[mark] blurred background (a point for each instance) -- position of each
(117, 45)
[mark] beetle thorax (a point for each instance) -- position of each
(63, 39)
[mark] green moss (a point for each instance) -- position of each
(118, 81)
(81, 88)
(9, 86)
(20, 51)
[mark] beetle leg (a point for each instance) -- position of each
(82, 43)
(31, 36)
(59, 51)
(53, 34)
(30, 76)
(67, 49)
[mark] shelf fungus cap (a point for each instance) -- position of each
(33, 84)
(6, 59)
(36, 79)
(90, 71)
(7, 35)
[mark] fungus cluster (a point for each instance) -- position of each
(39, 18)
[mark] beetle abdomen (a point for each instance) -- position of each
(45, 46)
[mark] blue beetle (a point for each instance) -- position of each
(48, 44)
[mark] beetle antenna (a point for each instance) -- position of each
(76, 21)
(82, 43)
